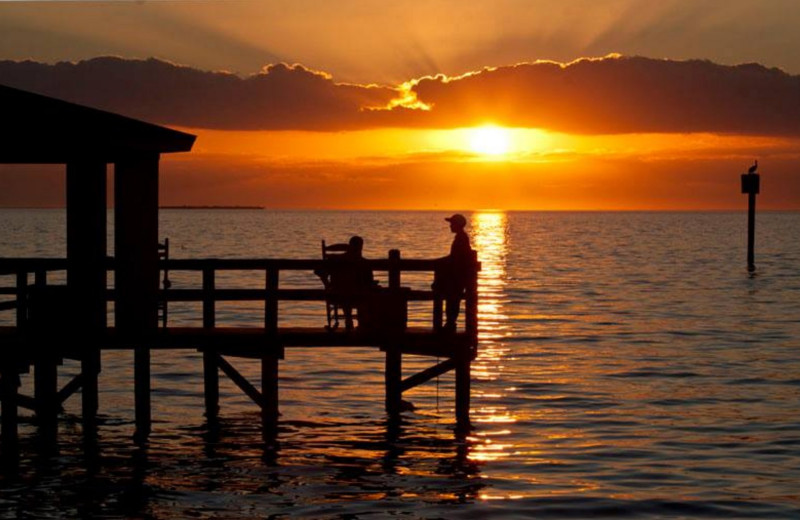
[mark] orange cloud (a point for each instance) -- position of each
(621, 95)
(281, 97)
(588, 96)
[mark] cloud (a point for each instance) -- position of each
(281, 97)
(621, 95)
(589, 96)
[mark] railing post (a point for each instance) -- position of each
(269, 360)
(271, 302)
(464, 358)
(394, 268)
(471, 304)
(208, 297)
(210, 366)
(393, 372)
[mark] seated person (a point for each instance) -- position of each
(349, 279)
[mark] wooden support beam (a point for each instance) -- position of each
(427, 374)
(210, 366)
(141, 382)
(45, 388)
(437, 312)
(269, 396)
(40, 278)
(90, 370)
(393, 374)
(9, 382)
(86, 246)
(86, 274)
(70, 388)
(136, 277)
(209, 287)
(270, 410)
(394, 269)
(26, 401)
(240, 381)
(211, 383)
(471, 306)
(463, 375)
(271, 302)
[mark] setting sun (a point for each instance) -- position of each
(490, 140)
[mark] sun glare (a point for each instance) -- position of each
(490, 140)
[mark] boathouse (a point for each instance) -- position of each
(38, 129)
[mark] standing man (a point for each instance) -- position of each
(451, 278)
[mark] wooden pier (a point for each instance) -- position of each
(49, 330)
(71, 320)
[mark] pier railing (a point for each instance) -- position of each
(32, 273)
(21, 269)
(44, 313)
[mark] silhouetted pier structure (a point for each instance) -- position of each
(46, 333)
(57, 322)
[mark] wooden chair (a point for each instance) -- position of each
(334, 308)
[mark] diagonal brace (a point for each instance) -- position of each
(240, 381)
(70, 388)
(427, 374)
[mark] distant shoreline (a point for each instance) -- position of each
(211, 207)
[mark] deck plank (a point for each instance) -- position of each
(255, 341)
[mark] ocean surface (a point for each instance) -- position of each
(629, 367)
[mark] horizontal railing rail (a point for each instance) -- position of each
(270, 291)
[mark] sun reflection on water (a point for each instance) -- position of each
(490, 239)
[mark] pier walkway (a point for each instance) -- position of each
(44, 327)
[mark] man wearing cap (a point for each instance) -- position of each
(451, 278)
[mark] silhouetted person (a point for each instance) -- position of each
(361, 274)
(453, 275)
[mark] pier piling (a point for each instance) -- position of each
(463, 383)
(393, 375)
(45, 392)
(9, 382)
(269, 395)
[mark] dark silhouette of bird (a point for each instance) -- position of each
(753, 168)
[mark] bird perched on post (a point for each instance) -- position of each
(753, 168)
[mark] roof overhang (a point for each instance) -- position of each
(38, 129)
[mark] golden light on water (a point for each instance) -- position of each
(490, 239)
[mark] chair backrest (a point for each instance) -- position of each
(333, 250)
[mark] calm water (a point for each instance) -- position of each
(628, 367)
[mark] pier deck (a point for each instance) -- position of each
(249, 342)
(49, 327)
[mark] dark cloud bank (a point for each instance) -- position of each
(610, 95)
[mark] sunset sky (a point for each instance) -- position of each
(510, 104)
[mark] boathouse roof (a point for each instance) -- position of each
(38, 129)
